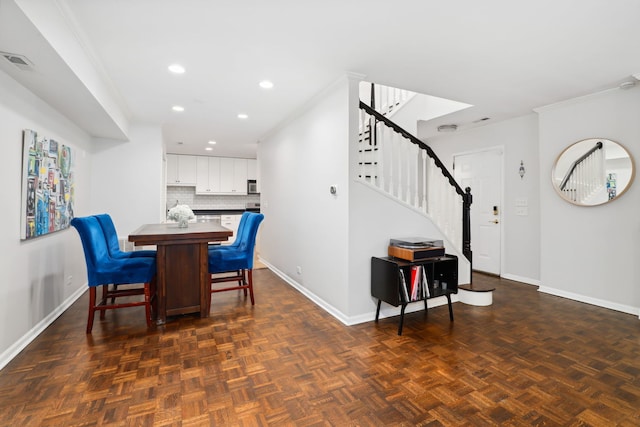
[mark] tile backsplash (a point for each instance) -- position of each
(188, 196)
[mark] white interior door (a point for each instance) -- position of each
(482, 172)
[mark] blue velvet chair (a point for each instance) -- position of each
(111, 235)
(234, 263)
(236, 242)
(103, 270)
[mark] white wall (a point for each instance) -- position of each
(331, 237)
(34, 272)
(127, 179)
(374, 219)
(304, 224)
(591, 253)
(43, 276)
(518, 138)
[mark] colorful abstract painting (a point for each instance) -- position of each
(47, 185)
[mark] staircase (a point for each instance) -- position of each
(405, 168)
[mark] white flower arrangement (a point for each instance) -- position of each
(180, 211)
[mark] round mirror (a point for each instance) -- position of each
(592, 172)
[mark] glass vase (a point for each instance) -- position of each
(183, 221)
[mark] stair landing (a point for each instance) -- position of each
(476, 294)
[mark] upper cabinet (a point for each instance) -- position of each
(233, 176)
(252, 169)
(208, 175)
(219, 175)
(181, 170)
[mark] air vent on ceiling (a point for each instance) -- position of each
(447, 128)
(18, 60)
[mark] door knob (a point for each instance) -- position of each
(495, 221)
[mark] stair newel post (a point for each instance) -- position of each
(373, 122)
(467, 199)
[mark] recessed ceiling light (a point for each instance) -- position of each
(209, 149)
(176, 68)
(266, 84)
(242, 116)
(177, 108)
(212, 142)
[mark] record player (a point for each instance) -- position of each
(415, 248)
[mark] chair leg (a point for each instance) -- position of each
(115, 288)
(147, 303)
(105, 291)
(92, 308)
(243, 280)
(250, 277)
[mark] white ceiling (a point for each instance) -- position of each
(504, 57)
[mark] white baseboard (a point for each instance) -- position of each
(385, 311)
(313, 297)
(521, 279)
(593, 301)
(32, 334)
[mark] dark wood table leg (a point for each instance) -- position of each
(205, 281)
(450, 307)
(161, 285)
(378, 310)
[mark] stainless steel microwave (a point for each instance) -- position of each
(252, 186)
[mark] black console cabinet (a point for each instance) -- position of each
(387, 281)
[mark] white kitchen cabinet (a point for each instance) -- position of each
(233, 176)
(231, 222)
(240, 175)
(207, 175)
(181, 170)
(252, 169)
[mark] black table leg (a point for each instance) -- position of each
(401, 318)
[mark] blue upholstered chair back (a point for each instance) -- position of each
(240, 257)
(241, 225)
(239, 232)
(102, 269)
(111, 236)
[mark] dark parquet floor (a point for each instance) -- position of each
(529, 359)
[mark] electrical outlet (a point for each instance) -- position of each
(299, 270)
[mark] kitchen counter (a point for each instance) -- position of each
(238, 211)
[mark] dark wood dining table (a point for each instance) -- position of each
(183, 279)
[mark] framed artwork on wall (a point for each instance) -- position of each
(47, 185)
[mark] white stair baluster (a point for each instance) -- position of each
(398, 146)
(416, 176)
(380, 159)
(424, 180)
(407, 163)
